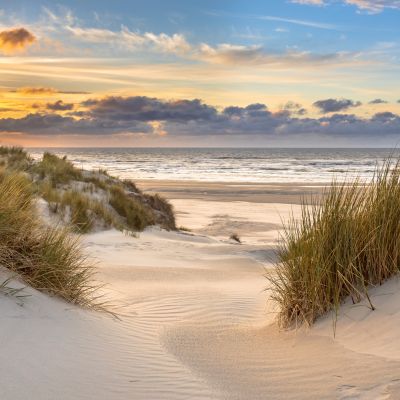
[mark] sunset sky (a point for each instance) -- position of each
(320, 73)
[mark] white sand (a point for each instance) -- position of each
(195, 324)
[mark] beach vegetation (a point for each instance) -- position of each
(57, 170)
(235, 237)
(137, 216)
(48, 258)
(345, 242)
(88, 200)
(14, 158)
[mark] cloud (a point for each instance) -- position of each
(301, 22)
(43, 91)
(54, 124)
(374, 6)
(15, 40)
(142, 108)
(312, 2)
(385, 116)
(258, 55)
(335, 105)
(293, 108)
(6, 109)
(152, 116)
(370, 6)
(125, 38)
(378, 101)
(59, 105)
(176, 44)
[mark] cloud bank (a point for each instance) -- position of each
(115, 115)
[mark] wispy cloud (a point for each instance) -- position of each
(311, 24)
(43, 91)
(313, 2)
(370, 6)
(176, 44)
(374, 6)
(258, 55)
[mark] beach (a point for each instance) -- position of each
(193, 316)
(200, 200)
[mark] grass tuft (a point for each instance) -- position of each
(57, 170)
(345, 241)
(14, 158)
(137, 216)
(235, 237)
(49, 259)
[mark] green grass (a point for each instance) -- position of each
(346, 241)
(49, 259)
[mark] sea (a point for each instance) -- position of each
(251, 165)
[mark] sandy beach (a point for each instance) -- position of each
(194, 317)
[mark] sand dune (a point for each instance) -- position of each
(195, 323)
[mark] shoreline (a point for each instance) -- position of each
(287, 193)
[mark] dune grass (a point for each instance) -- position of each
(122, 204)
(14, 158)
(57, 170)
(163, 207)
(88, 200)
(234, 236)
(82, 211)
(49, 259)
(137, 216)
(346, 241)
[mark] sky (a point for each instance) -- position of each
(210, 73)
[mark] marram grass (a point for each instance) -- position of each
(49, 259)
(346, 241)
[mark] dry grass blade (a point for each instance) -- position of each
(345, 241)
(49, 259)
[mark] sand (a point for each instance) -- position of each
(195, 320)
